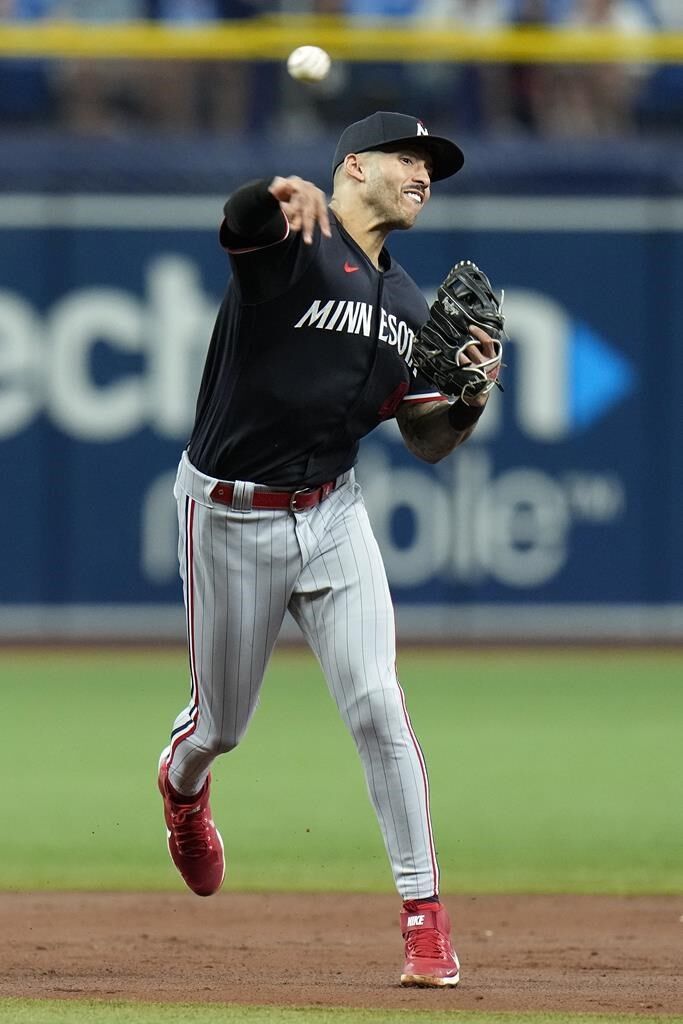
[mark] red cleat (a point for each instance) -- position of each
(194, 842)
(431, 961)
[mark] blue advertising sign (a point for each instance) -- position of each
(555, 520)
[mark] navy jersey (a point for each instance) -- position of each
(311, 350)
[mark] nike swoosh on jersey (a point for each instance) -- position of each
(349, 268)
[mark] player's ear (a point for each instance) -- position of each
(354, 166)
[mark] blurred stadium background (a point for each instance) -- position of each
(124, 126)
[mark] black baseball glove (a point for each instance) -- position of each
(464, 299)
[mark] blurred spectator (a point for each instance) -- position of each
(477, 97)
(522, 88)
(579, 100)
(597, 99)
(181, 97)
(99, 97)
(26, 95)
(119, 96)
(208, 96)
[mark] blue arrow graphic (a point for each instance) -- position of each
(599, 376)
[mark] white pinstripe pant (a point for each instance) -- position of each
(241, 572)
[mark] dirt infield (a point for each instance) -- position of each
(562, 953)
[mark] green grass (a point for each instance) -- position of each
(23, 1011)
(551, 771)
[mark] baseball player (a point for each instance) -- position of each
(312, 349)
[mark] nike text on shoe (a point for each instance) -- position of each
(194, 842)
(430, 958)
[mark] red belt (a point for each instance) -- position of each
(295, 501)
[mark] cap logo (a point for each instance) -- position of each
(421, 130)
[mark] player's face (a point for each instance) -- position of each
(398, 186)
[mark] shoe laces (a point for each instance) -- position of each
(191, 830)
(428, 943)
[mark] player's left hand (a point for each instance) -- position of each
(459, 347)
(484, 350)
(303, 204)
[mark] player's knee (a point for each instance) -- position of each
(221, 744)
(229, 741)
(375, 715)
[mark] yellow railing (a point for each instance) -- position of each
(272, 38)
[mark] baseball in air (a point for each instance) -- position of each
(308, 63)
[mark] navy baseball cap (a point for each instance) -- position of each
(389, 131)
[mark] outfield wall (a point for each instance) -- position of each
(559, 520)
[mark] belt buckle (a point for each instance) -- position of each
(294, 495)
